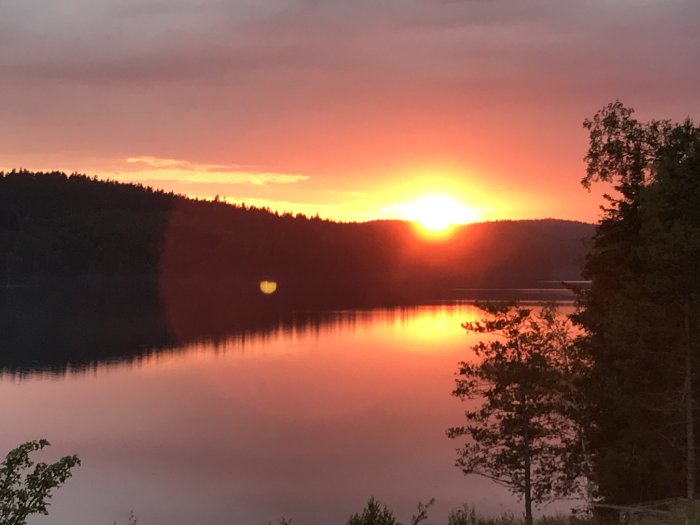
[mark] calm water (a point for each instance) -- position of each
(304, 420)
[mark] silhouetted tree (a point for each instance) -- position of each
(374, 513)
(641, 313)
(521, 431)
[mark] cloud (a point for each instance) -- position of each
(162, 169)
(157, 163)
(348, 193)
(136, 42)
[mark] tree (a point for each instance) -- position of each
(642, 307)
(25, 491)
(522, 433)
(374, 513)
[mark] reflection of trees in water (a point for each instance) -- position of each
(78, 326)
(74, 328)
(191, 270)
(64, 327)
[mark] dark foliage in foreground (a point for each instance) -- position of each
(642, 313)
(373, 514)
(376, 513)
(25, 491)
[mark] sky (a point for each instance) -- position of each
(350, 109)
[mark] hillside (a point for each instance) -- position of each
(55, 227)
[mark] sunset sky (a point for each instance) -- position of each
(351, 109)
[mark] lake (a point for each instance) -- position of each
(304, 419)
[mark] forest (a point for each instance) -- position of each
(56, 227)
(641, 316)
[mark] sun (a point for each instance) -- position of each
(437, 214)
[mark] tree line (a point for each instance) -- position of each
(55, 226)
(608, 410)
(641, 315)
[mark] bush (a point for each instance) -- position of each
(373, 514)
(23, 491)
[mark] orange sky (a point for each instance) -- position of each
(346, 109)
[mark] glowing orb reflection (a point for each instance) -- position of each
(268, 287)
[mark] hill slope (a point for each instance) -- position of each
(54, 226)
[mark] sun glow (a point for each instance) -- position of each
(437, 214)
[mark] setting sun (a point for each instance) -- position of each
(436, 213)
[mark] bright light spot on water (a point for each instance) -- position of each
(268, 287)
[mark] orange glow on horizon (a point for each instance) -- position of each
(434, 197)
(436, 215)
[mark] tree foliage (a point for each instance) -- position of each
(55, 226)
(25, 490)
(641, 314)
(521, 431)
(374, 513)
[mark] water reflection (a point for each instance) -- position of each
(67, 330)
(300, 415)
(70, 330)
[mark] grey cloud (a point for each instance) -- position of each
(187, 40)
(137, 42)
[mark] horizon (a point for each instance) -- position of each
(356, 112)
(438, 233)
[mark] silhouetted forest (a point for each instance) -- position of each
(641, 315)
(92, 270)
(54, 226)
